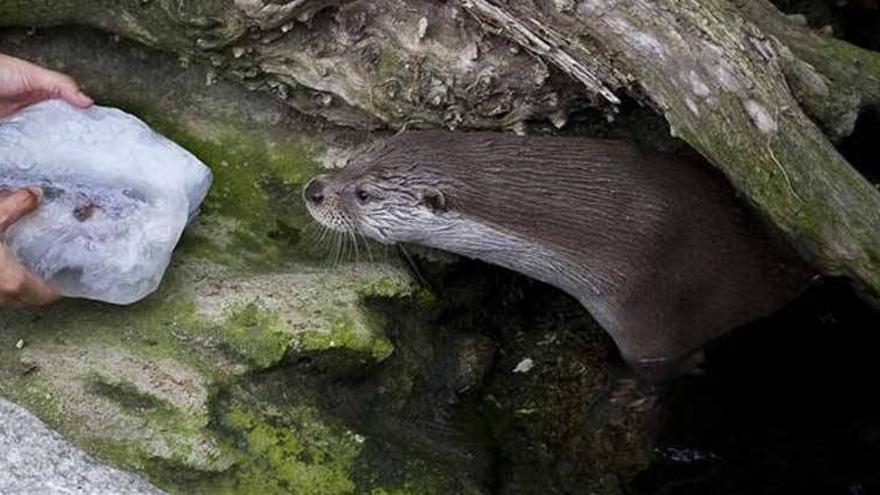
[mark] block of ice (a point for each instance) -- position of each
(117, 197)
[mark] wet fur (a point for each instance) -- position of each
(659, 249)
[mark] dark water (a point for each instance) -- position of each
(786, 405)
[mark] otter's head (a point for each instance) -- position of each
(386, 202)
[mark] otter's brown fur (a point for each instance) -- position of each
(658, 248)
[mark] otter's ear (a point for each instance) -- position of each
(434, 199)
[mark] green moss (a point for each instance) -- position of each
(259, 189)
(152, 327)
(168, 325)
(390, 287)
(38, 395)
(253, 216)
(128, 454)
(346, 334)
(255, 333)
(293, 451)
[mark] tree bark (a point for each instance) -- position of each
(357, 63)
(757, 94)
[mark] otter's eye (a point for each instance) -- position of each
(434, 199)
(362, 195)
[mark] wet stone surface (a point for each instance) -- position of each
(36, 460)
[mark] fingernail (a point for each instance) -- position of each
(37, 192)
(86, 99)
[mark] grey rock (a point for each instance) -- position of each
(37, 460)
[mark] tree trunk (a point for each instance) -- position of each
(360, 64)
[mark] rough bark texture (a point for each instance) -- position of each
(832, 79)
(361, 63)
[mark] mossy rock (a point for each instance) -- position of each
(260, 366)
(245, 293)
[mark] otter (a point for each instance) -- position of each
(658, 248)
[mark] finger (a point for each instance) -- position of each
(62, 86)
(77, 98)
(34, 97)
(35, 292)
(17, 205)
(11, 302)
(18, 284)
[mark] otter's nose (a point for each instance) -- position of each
(314, 191)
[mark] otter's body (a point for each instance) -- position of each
(659, 249)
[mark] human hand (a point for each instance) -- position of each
(19, 287)
(23, 83)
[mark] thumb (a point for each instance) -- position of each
(76, 98)
(62, 86)
(17, 205)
